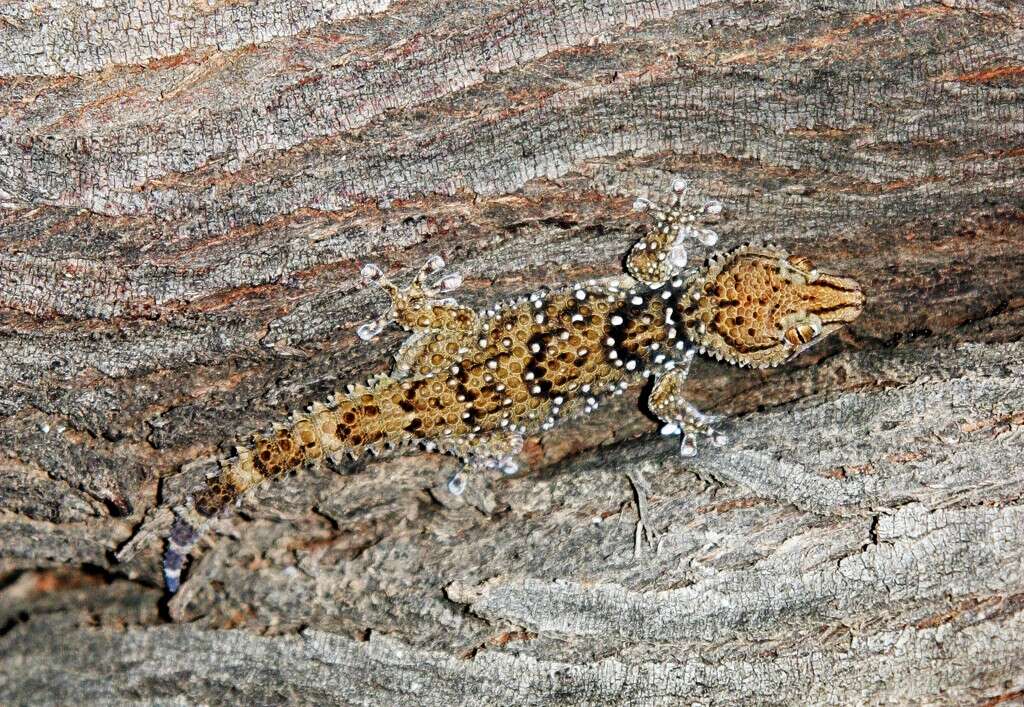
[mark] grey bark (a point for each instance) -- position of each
(188, 192)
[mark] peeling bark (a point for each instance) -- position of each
(187, 193)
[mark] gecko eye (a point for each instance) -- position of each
(799, 334)
(801, 262)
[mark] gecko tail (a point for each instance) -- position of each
(179, 543)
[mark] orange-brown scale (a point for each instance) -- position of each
(737, 303)
(353, 426)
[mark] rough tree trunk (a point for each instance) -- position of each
(189, 190)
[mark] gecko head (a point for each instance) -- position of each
(759, 306)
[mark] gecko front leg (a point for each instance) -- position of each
(680, 416)
(661, 253)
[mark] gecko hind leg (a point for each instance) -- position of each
(679, 415)
(440, 326)
(419, 307)
(495, 453)
(661, 253)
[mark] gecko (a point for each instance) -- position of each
(475, 383)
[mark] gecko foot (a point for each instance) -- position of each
(680, 416)
(497, 454)
(662, 252)
(507, 466)
(688, 444)
(418, 306)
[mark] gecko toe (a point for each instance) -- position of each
(370, 330)
(457, 484)
(712, 207)
(448, 283)
(688, 447)
(371, 271)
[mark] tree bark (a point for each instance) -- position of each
(189, 190)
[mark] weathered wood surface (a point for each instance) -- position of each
(188, 191)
